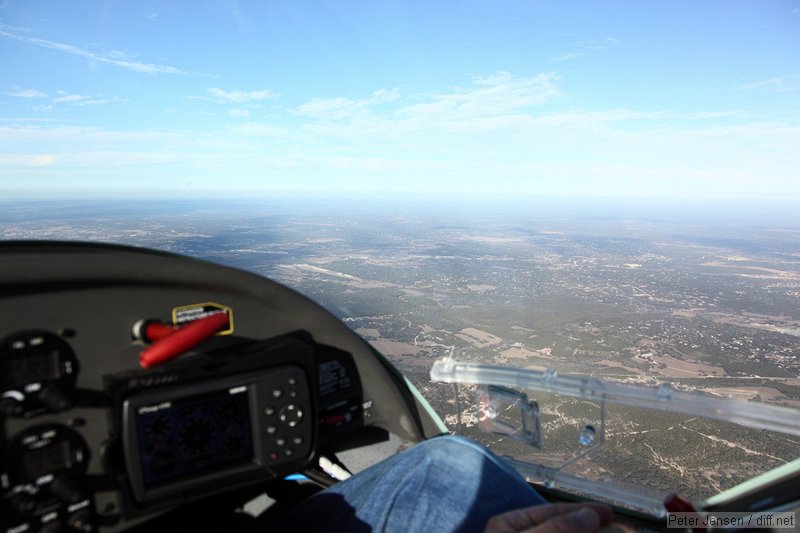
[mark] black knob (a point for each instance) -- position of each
(67, 490)
(53, 527)
(10, 406)
(55, 398)
(81, 521)
(24, 504)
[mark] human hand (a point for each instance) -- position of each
(552, 518)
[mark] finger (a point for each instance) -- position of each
(527, 517)
(520, 519)
(603, 511)
(615, 527)
(584, 520)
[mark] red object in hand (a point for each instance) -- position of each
(181, 340)
(675, 503)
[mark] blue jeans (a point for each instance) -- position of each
(443, 484)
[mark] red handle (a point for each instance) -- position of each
(182, 340)
(155, 331)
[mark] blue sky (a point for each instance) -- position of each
(633, 99)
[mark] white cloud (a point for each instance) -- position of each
(498, 133)
(496, 78)
(602, 44)
(31, 160)
(28, 93)
(778, 84)
(239, 113)
(387, 118)
(590, 45)
(83, 100)
(330, 108)
(29, 120)
(68, 97)
(103, 101)
(383, 96)
(111, 58)
(494, 95)
(343, 108)
(240, 97)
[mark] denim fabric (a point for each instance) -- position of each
(443, 484)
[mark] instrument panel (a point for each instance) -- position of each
(207, 422)
(91, 441)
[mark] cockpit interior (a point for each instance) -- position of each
(91, 440)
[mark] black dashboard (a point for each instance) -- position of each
(92, 441)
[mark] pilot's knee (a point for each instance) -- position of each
(459, 452)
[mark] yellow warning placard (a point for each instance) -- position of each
(187, 313)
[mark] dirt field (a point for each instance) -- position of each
(478, 338)
(523, 353)
(677, 368)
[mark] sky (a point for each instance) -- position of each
(679, 99)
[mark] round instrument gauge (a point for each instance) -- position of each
(37, 368)
(46, 451)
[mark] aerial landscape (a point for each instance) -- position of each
(643, 297)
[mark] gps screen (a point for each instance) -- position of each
(192, 436)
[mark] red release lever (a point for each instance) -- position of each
(182, 340)
(155, 331)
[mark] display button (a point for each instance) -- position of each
(291, 415)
